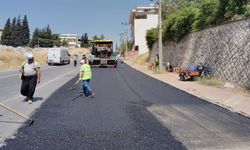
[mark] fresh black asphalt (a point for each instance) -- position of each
(116, 118)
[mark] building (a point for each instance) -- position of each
(1, 33)
(71, 39)
(142, 18)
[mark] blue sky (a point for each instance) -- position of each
(95, 17)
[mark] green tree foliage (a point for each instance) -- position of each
(179, 23)
(209, 12)
(246, 10)
(16, 33)
(102, 37)
(84, 40)
(65, 43)
(13, 32)
(56, 40)
(6, 36)
(151, 37)
(42, 37)
(122, 46)
(35, 38)
(96, 37)
(25, 31)
(184, 16)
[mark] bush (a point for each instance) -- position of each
(207, 15)
(246, 10)
(151, 37)
(234, 7)
(179, 23)
(196, 15)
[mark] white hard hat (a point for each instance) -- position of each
(82, 62)
(30, 55)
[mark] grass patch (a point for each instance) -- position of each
(141, 59)
(12, 59)
(210, 82)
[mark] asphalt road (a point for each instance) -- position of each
(53, 77)
(130, 111)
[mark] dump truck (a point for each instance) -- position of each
(103, 55)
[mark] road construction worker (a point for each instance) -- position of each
(75, 59)
(30, 75)
(85, 76)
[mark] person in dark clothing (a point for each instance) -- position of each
(84, 57)
(156, 59)
(75, 59)
(30, 75)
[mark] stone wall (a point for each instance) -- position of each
(224, 49)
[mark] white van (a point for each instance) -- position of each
(58, 56)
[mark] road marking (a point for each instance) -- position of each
(38, 87)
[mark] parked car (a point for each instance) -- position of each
(58, 56)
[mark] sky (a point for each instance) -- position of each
(94, 17)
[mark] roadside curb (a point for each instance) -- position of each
(209, 99)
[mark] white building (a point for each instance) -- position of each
(71, 39)
(142, 19)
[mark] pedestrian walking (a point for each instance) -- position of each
(30, 76)
(75, 59)
(85, 76)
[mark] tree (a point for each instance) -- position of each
(18, 34)
(45, 37)
(84, 40)
(49, 37)
(151, 37)
(35, 38)
(6, 36)
(13, 32)
(25, 31)
(56, 40)
(102, 37)
(123, 46)
(95, 37)
(65, 43)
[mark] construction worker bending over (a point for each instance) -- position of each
(85, 76)
(30, 75)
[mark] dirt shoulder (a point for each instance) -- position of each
(230, 98)
(11, 57)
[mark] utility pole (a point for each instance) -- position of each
(126, 37)
(160, 38)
